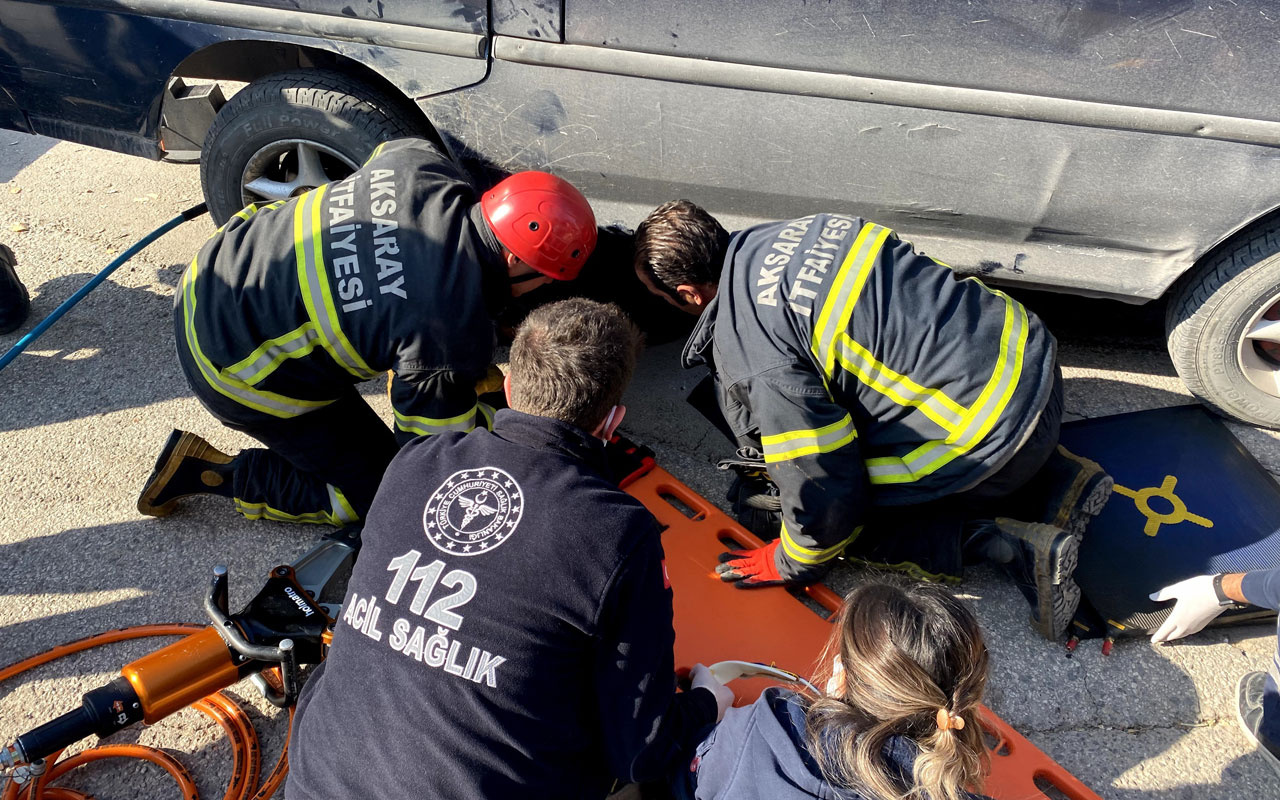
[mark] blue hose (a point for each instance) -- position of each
(47, 322)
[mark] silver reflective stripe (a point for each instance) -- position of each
(342, 511)
(307, 243)
(427, 426)
(268, 357)
(276, 405)
(780, 447)
(931, 456)
(898, 388)
(833, 319)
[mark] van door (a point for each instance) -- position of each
(1063, 143)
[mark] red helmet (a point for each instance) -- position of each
(544, 220)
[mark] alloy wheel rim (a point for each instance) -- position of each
(1258, 353)
(289, 167)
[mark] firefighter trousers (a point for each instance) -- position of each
(323, 466)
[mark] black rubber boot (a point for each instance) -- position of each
(1041, 559)
(756, 505)
(15, 303)
(187, 465)
(753, 495)
(1070, 490)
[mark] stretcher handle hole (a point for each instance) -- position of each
(731, 542)
(996, 744)
(680, 505)
(1044, 782)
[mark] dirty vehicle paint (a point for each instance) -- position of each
(1102, 147)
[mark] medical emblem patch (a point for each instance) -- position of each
(474, 511)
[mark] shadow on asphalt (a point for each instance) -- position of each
(113, 350)
(22, 150)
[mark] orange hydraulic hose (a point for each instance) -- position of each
(245, 747)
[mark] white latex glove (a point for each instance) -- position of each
(701, 678)
(1197, 606)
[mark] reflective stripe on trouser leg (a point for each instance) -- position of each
(267, 486)
(464, 423)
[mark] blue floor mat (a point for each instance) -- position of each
(1189, 500)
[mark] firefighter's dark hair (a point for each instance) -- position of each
(680, 243)
(572, 360)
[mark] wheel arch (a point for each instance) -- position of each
(247, 60)
(1228, 241)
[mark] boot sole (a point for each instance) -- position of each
(1091, 506)
(1057, 594)
(1263, 752)
(1080, 514)
(179, 446)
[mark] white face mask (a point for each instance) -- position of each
(608, 421)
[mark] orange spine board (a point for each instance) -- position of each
(778, 629)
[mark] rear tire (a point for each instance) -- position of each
(286, 133)
(1219, 332)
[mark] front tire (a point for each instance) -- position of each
(289, 132)
(1223, 327)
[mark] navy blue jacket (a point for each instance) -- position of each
(391, 269)
(865, 373)
(1262, 588)
(759, 753)
(506, 632)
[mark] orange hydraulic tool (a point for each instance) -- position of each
(283, 626)
(784, 631)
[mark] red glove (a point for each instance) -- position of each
(749, 569)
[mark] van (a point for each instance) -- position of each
(1116, 148)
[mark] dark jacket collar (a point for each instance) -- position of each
(496, 288)
(545, 433)
(698, 349)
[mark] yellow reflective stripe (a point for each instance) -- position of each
(978, 422)
(247, 212)
(933, 403)
(342, 510)
(808, 555)
(377, 151)
(277, 405)
(308, 249)
(428, 426)
(839, 303)
(780, 447)
(264, 511)
(487, 412)
(269, 355)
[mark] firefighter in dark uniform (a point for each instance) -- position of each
(507, 630)
(400, 268)
(865, 376)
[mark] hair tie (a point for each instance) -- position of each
(948, 721)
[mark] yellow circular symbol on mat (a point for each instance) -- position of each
(1142, 499)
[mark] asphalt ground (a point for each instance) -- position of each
(85, 410)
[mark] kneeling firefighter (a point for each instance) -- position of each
(399, 268)
(906, 415)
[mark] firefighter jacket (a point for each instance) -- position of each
(506, 632)
(392, 269)
(865, 373)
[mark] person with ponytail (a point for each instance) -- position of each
(904, 671)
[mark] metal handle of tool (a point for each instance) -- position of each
(166, 680)
(47, 322)
(215, 605)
